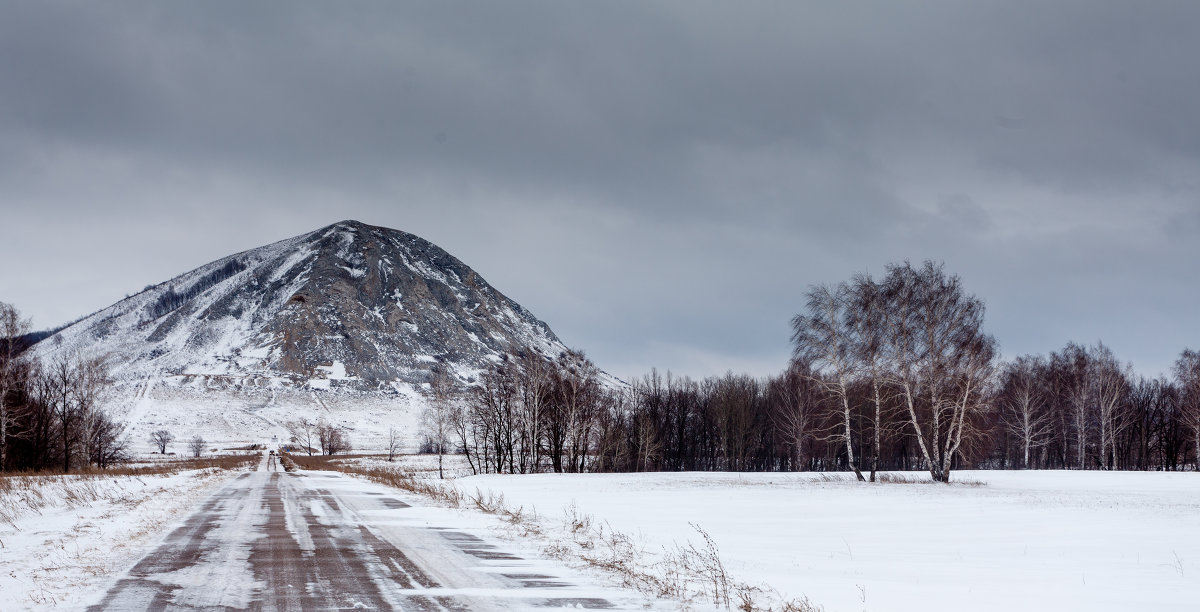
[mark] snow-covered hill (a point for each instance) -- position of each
(349, 305)
(347, 310)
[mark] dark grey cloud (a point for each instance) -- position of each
(660, 181)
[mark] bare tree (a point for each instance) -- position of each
(795, 404)
(332, 440)
(1074, 370)
(196, 445)
(576, 395)
(162, 438)
(437, 418)
(491, 423)
(37, 415)
(869, 316)
(734, 405)
(65, 406)
(463, 427)
(1110, 383)
(60, 393)
(612, 444)
(649, 445)
(393, 443)
(823, 338)
(12, 327)
(1023, 404)
(1152, 439)
(943, 360)
(105, 441)
(304, 433)
(535, 387)
(1187, 373)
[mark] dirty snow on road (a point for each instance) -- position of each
(325, 540)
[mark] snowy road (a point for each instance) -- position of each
(324, 540)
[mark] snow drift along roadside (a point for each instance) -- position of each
(65, 538)
(692, 573)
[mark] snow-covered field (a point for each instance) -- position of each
(1020, 540)
(1023, 540)
(63, 537)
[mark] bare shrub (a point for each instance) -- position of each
(196, 445)
(332, 439)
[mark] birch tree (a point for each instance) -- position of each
(869, 318)
(1023, 404)
(102, 439)
(1110, 388)
(1074, 370)
(795, 403)
(824, 338)
(942, 358)
(1187, 373)
(576, 397)
(537, 383)
(12, 327)
(437, 416)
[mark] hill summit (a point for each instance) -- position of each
(346, 306)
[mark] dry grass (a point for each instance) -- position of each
(325, 462)
(34, 492)
(221, 462)
(890, 478)
(101, 520)
(311, 462)
(288, 463)
(895, 478)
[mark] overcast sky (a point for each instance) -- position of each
(660, 182)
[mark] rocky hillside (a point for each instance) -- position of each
(347, 306)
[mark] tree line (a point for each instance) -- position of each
(170, 300)
(50, 415)
(308, 436)
(895, 373)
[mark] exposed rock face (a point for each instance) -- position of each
(350, 305)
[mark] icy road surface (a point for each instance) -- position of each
(324, 540)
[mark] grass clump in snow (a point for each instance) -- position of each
(898, 478)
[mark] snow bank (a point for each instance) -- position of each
(66, 537)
